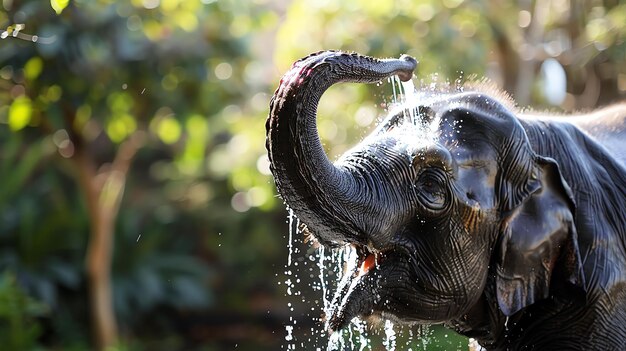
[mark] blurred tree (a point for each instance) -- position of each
(101, 80)
(507, 41)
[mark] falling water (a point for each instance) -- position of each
(327, 267)
(290, 242)
(390, 336)
(410, 97)
(320, 264)
(288, 282)
(393, 80)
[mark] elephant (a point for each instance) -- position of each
(507, 227)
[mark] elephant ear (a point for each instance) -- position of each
(539, 245)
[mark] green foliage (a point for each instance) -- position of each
(19, 329)
(59, 5)
(20, 113)
(38, 220)
(148, 256)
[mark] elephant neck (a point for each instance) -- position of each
(492, 330)
(483, 322)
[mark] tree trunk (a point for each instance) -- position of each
(98, 260)
(528, 65)
(103, 193)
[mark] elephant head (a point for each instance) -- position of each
(447, 215)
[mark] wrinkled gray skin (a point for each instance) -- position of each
(506, 228)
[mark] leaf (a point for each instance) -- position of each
(169, 130)
(21, 171)
(33, 68)
(19, 113)
(121, 126)
(59, 5)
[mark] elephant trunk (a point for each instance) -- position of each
(320, 194)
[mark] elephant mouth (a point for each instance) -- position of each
(359, 292)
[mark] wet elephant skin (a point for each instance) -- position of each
(507, 228)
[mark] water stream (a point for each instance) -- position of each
(409, 97)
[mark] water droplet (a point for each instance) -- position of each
(390, 336)
(289, 335)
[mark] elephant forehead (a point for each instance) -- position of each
(395, 144)
(473, 116)
(472, 101)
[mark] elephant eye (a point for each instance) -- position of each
(431, 190)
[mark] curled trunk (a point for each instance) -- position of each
(324, 197)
